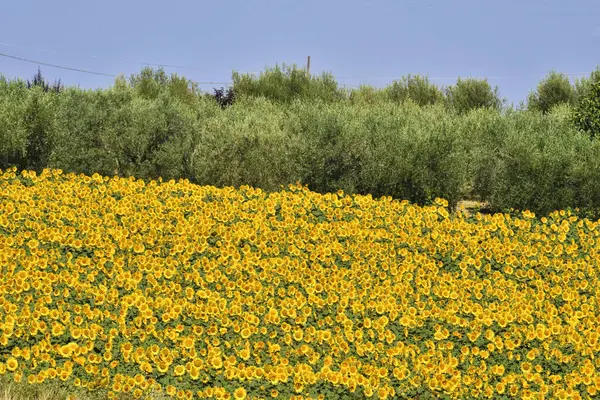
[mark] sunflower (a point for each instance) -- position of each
(526, 367)
(298, 335)
(246, 333)
(240, 393)
(32, 379)
(162, 367)
(179, 370)
(171, 390)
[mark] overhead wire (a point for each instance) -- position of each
(88, 71)
(440, 78)
(56, 66)
(226, 82)
(121, 60)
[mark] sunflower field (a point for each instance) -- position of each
(121, 286)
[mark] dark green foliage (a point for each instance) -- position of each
(248, 144)
(13, 133)
(555, 89)
(526, 160)
(587, 113)
(28, 119)
(93, 115)
(470, 94)
(224, 98)
(39, 81)
(416, 88)
(126, 134)
(40, 122)
(328, 158)
(410, 152)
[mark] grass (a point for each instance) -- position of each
(9, 390)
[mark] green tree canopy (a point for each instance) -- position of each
(471, 93)
(553, 90)
(149, 83)
(582, 85)
(287, 83)
(587, 112)
(415, 88)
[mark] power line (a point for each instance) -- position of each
(255, 73)
(56, 66)
(229, 82)
(102, 58)
(435, 78)
(87, 71)
(119, 60)
(454, 78)
(213, 83)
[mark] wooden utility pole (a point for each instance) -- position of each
(308, 66)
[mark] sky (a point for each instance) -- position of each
(513, 43)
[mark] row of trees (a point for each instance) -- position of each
(382, 142)
(285, 84)
(289, 83)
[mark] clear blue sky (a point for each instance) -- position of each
(512, 42)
